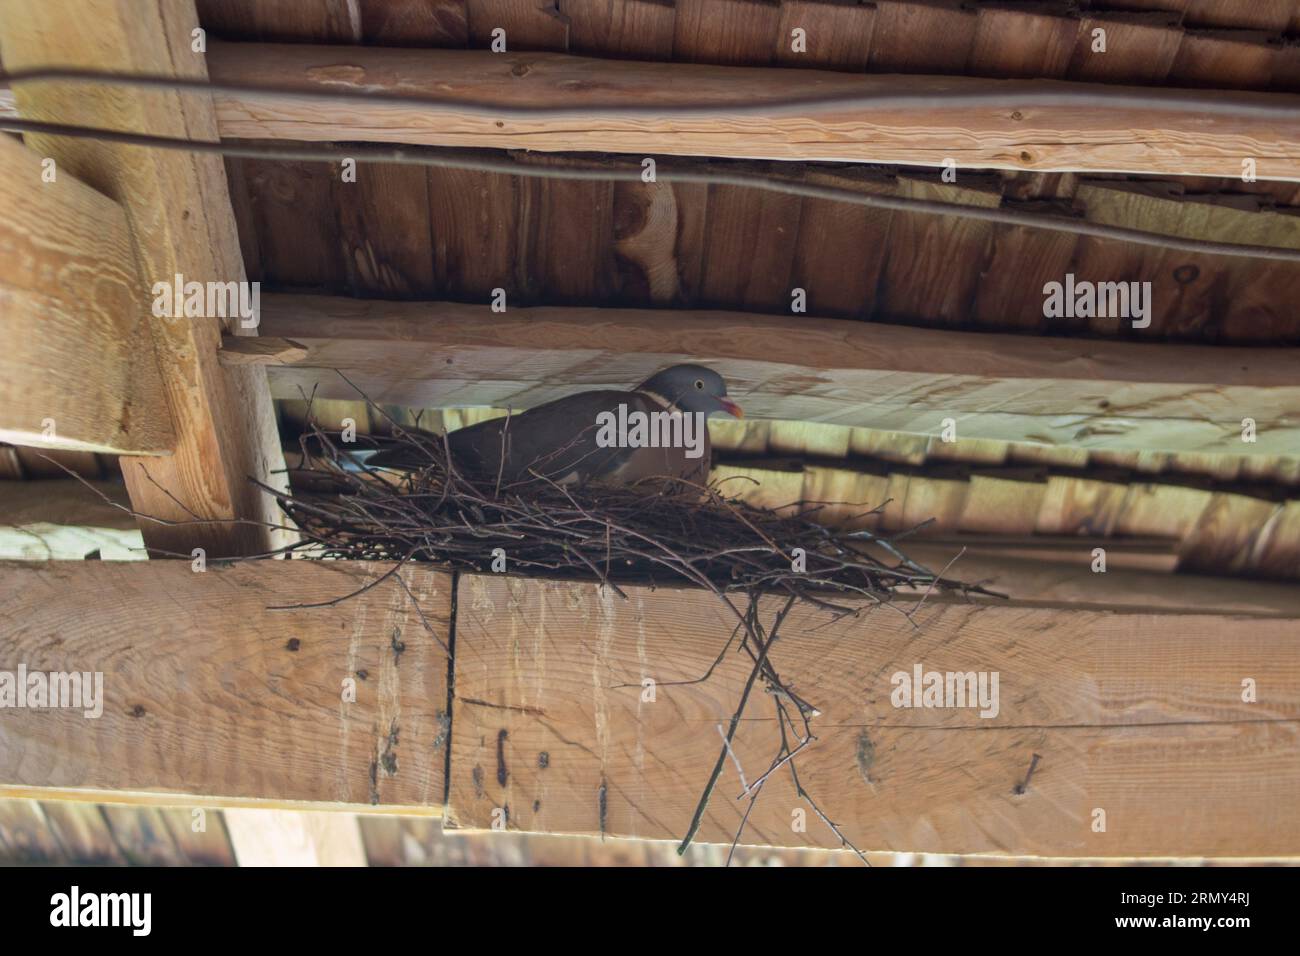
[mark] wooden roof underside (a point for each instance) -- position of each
(411, 233)
(427, 235)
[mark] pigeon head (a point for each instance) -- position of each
(692, 388)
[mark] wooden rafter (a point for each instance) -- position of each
(178, 209)
(1084, 393)
(211, 694)
(77, 365)
(543, 722)
(1095, 134)
(1127, 720)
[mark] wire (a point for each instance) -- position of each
(451, 159)
(1234, 105)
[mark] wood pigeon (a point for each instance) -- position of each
(592, 436)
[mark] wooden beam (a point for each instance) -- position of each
(1134, 712)
(1097, 134)
(1076, 584)
(210, 695)
(1085, 393)
(77, 365)
(259, 350)
(1138, 715)
(178, 208)
(262, 837)
(61, 520)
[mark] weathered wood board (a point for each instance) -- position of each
(1138, 715)
(1049, 391)
(209, 693)
(1092, 132)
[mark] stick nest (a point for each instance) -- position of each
(665, 532)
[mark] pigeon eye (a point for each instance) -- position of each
(699, 383)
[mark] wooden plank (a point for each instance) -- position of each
(166, 836)
(922, 280)
(828, 231)
(11, 466)
(321, 20)
(1012, 41)
(295, 838)
(404, 841)
(1225, 536)
(474, 217)
(1138, 48)
(288, 208)
(564, 245)
(1076, 550)
(1002, 506)
(143, 835)
(528, 24)
(1137, 714)
(26, 836)
(384, 231)
(259, 715)
(261, 350)
(1253, 14)
(939, 501)
(423, 23)
(77, 365)
(1042, 580)
(926, 37)
(1080, 506)
(837, 34)
(1087, 394)
(1019, 258)
(199, 834)
(1099, 135)
(626, 29)
(43, 463)
(1245, 304)
(648, 241)
(178, 208)
(733, 32)
(492, 231)
(83, 832)
(60, 520)
(1235, 58)
(750, 244)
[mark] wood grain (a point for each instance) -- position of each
(211, 695)
(1096, 136)
(497, 231)
(178, 207)
(260, 350)
(627, 29)
(82, 831)
(1049, 391)
(528, 24)
(75, 341)
(1245, 304)
(1040, 579)
(1138, 714)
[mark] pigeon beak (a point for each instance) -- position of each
(731, 408)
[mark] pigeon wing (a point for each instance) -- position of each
(557, 440)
